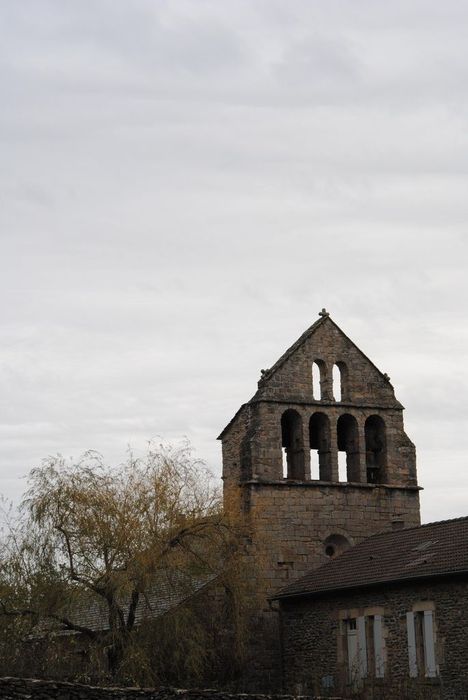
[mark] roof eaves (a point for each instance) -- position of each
(297, 344)
(227, 427)
(397, 533)
(369, 584)
(382, 374)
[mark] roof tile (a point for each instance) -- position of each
(434, 549)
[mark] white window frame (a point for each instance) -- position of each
(429, 645)
(378, 647)
(352, 649)
(428, 642)
(364, 645)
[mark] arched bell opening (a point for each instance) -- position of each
(376, 449)
(293, 445)
(336, 377)
(340, 382)
(348, 448)
(320, 447)
(318, 380)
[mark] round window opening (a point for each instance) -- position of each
(335, 545)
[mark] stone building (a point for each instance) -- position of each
(387, 615)
(317, 461)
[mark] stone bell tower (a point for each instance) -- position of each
(318, 460)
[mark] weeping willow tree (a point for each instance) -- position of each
(117, 556)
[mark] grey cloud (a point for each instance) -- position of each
(184, 184)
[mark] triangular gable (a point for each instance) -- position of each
(274, 383)
(304, 337)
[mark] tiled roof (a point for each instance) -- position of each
(435, 549)
(168, 591)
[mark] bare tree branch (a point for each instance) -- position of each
(53, 616)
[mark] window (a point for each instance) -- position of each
(348, 447)
(356, 648)
(375, 449)
(421, 643)
(335, 545)
(292, 442)
(352, 648)
(340, 382)
(320, 453)
(284, 458)
(317, 379)
(375, 646)
(336, 383)
(364, 647)
(342, 467)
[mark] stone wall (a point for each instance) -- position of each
(292, 521)
(291, 524)
(313, 642)
(252, 441)
(265, 442)
(22, 689)
(327, 345)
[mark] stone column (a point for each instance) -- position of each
(326, 384)
(306, 443)
(362, 451)
(333, 451)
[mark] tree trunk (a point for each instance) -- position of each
(115, 656)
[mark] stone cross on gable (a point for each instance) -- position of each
(324, 313)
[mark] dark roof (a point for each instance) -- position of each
(435, 549)
(167, 592)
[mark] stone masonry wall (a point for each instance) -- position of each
(30, 689)
(312, 640)
(328, 345)
(265, 442)
(291, 523)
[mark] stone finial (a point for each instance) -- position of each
(386, 377)
(324, 313)
(264, 371)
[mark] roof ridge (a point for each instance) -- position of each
(441, 522)
(292, 348)
(413, 527)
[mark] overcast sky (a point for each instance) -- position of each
(185, 183)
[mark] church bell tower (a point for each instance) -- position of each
(319, 455)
